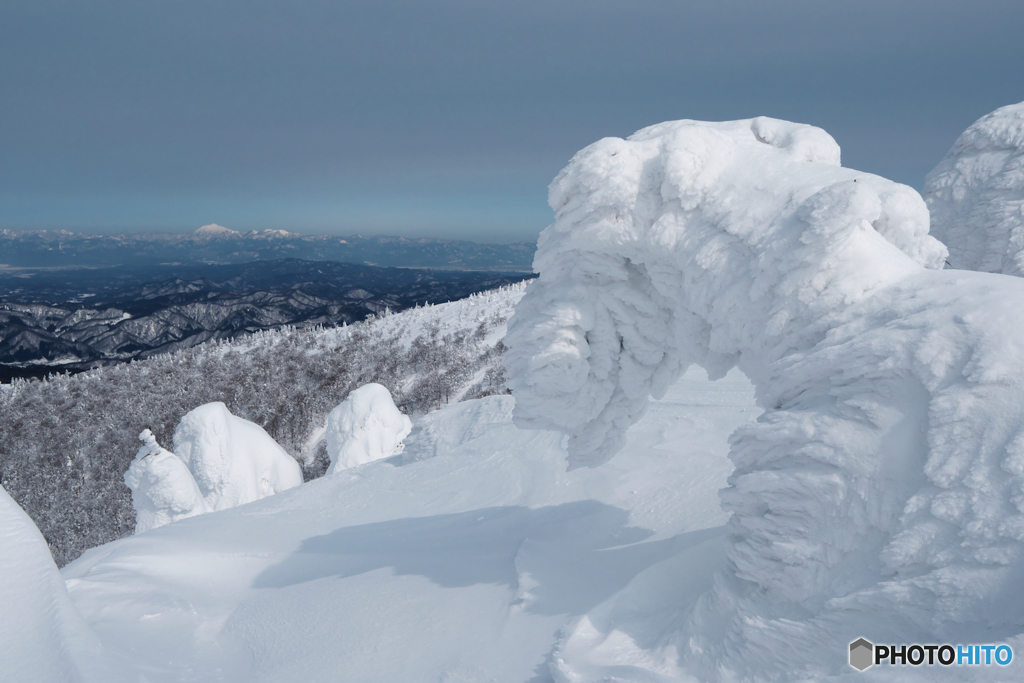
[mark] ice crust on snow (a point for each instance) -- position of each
(232, 460)
(163, 488)
(366, 426)
(882, 490)
(976, 195)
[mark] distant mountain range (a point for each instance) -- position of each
(216, 244)
(76, 318)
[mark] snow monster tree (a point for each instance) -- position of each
(881, 493)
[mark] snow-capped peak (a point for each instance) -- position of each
(214, 229)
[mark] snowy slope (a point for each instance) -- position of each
(459, 567)
(496, 304)
(42, 636)
(976, 195)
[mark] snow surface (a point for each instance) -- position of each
(42, 635)
(976, 195)
(233, 461)
(440, 432)
(882, 492)
(366, 426)
(460, 567)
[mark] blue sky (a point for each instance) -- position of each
(448, 118)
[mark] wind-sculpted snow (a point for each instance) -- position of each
(366, 426)
(43, 638)
(234, 461)
(976, 195)
(881, 492)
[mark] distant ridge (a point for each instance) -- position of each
(217, 244)
(73, 319)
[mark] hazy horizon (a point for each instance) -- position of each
(99, 232)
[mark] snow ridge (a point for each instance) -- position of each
(976, 194)
(882, 491)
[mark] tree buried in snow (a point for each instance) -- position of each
(366, 426)
(220, 461)
(882, 489)
(163, 488)
(233, 461)
(976, 194)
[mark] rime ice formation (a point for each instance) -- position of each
(366, 426)
(232, 460)
(221, 461)
(883, 487)
(163, 489)
(976, 195)
(42, 635)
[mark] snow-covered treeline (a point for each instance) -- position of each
(881, 490)
(66, 442)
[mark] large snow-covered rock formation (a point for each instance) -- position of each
(976, 195)
(366, 426)
(882, 491)
(163, 488)
(233, 461)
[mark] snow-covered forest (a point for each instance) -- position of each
(745, 416)
(65, 442)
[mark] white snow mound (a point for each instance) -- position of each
(233, 461)
(42, 635)
(976, 195)
(881, 493)
(163, 489)
(366, 426)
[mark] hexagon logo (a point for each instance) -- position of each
(862, 654)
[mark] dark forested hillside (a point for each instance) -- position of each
(75, 319)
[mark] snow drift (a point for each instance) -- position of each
(881, 492)
(163, 489)
(441, 432)
(366, 426)
(233, 461)
(42, 635)
(976, 194)
(460, 567)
